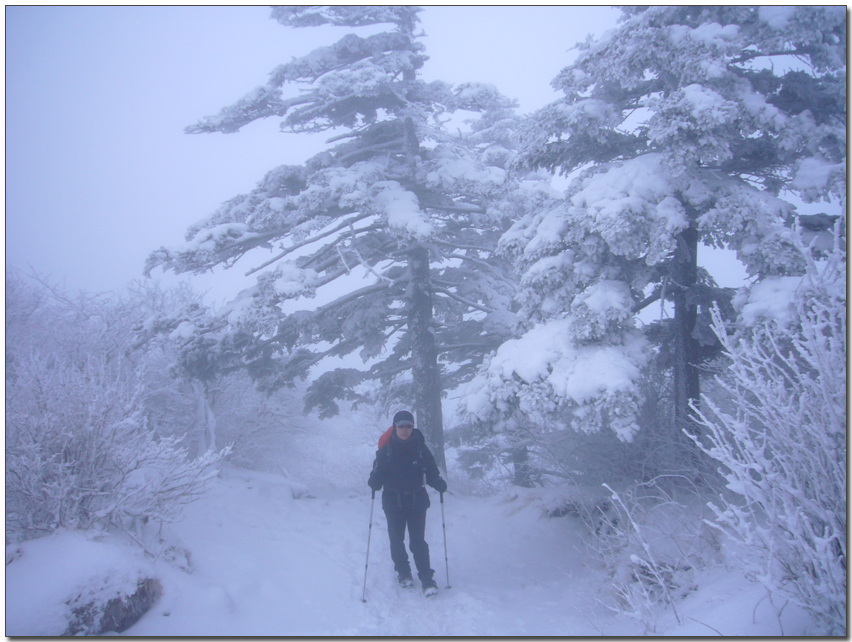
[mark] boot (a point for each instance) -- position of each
(430, 588)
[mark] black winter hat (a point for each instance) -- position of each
(402, 415)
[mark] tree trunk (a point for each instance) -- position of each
(686, 381)
(206, 418)
(424, 356)
(521, 466)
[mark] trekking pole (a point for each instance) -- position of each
(369, 534)
(444, 527)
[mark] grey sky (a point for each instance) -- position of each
(98, 170)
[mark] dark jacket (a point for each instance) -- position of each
(401, 466)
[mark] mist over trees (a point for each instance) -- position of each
(500, 275)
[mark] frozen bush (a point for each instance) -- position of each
(651, 539)
(783, 445)
(79, 455)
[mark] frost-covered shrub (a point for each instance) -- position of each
(651, 539)
(783, 446)
(79, 455)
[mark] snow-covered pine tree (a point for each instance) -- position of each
(684, 127)
(392, 220)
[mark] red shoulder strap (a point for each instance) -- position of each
(385, 438)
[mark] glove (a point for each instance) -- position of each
(441, 485)
(375, 485)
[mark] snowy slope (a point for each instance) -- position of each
(265, 563)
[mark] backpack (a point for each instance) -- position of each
(385, 438)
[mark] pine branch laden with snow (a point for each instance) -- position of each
(783, 450)
(544, 376)
(580, 372)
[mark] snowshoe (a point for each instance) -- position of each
(405, 581)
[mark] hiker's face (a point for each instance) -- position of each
(403, 431)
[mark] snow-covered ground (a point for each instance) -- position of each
(266, 563)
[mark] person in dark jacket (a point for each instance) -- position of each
(400, 467)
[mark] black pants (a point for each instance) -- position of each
(408, 509)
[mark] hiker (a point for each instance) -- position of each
(400, 466)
